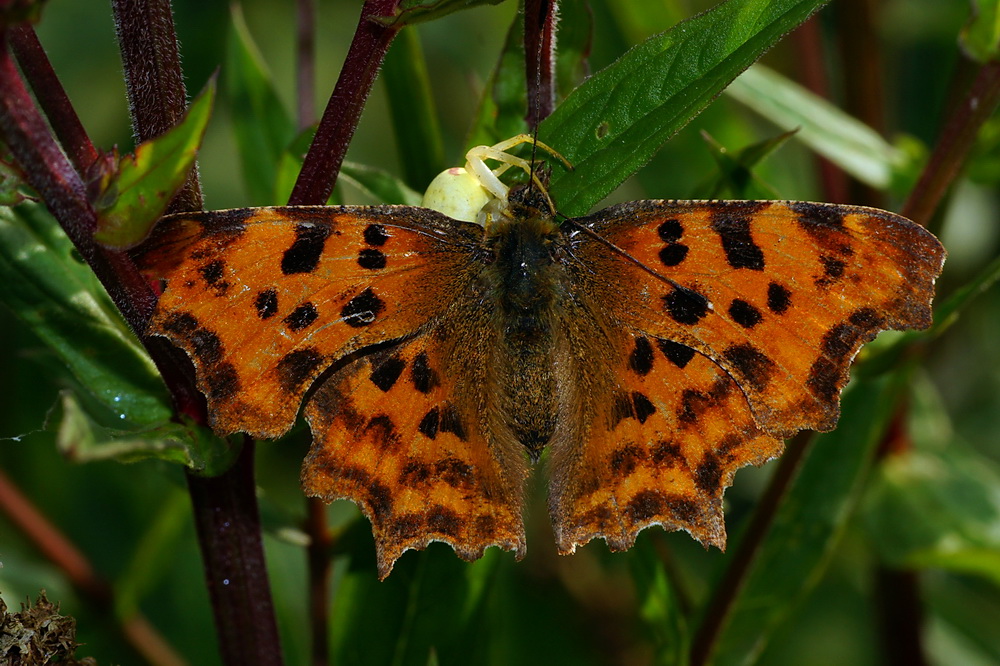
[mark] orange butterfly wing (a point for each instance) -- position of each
(743, 335)
(781, 295)
(264, 300)
(402, 433)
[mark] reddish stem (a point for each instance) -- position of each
(954, 144)
(329, 146)
(52, 97)
(153, 78)
(305, 61)
(226, 517)
(539, 58)
(225, 506)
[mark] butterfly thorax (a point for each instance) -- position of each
(524, 278)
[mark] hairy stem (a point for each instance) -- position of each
(153, 78)
(368, 48)
(52, 97)
(539, 58)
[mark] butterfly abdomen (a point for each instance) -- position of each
(523, 279)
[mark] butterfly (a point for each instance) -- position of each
(651, 348)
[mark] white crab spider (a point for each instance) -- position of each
(463, 193)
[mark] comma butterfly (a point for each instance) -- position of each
(653, 347)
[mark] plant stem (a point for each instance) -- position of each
(539, 58)
(368, 48)
(807, 41)
(153, 78)
(953, 146)
(52, 97)
(305, 61)
(228, 525)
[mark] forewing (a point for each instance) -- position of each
(265, 299)
(781, 295)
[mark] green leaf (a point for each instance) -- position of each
(980, 38)
(140, 191)
(612, 125)
(841, 138)
(60, 300)
(261, 125)
(808, 525)
(411, 104)
(416, 11)
(938, 508)
(81, 439)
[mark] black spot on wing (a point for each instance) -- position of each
(675, 352)
(223, 381)
(301, 317)
(371, 259)
(673, 254)
(643, 407)
(429, 425)
(633, 405)
(424, 377)
(297, 367)
(376, 235)
(303, 256)
(833, 270)
(212, 273)
(451, 422)
(646, 504)
(670, 231)
(383, 432)
(387, 373)
(779, 299)
(205, 344)
(818, 218)
(363, 309)
(685, 306)
(626, 459)
(443, 520)
(641, 358)
(737, 241)
(455, 473)
(708, 474)
(744, 314)
(750, 364)
(266, 303)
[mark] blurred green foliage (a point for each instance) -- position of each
(811, 598)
